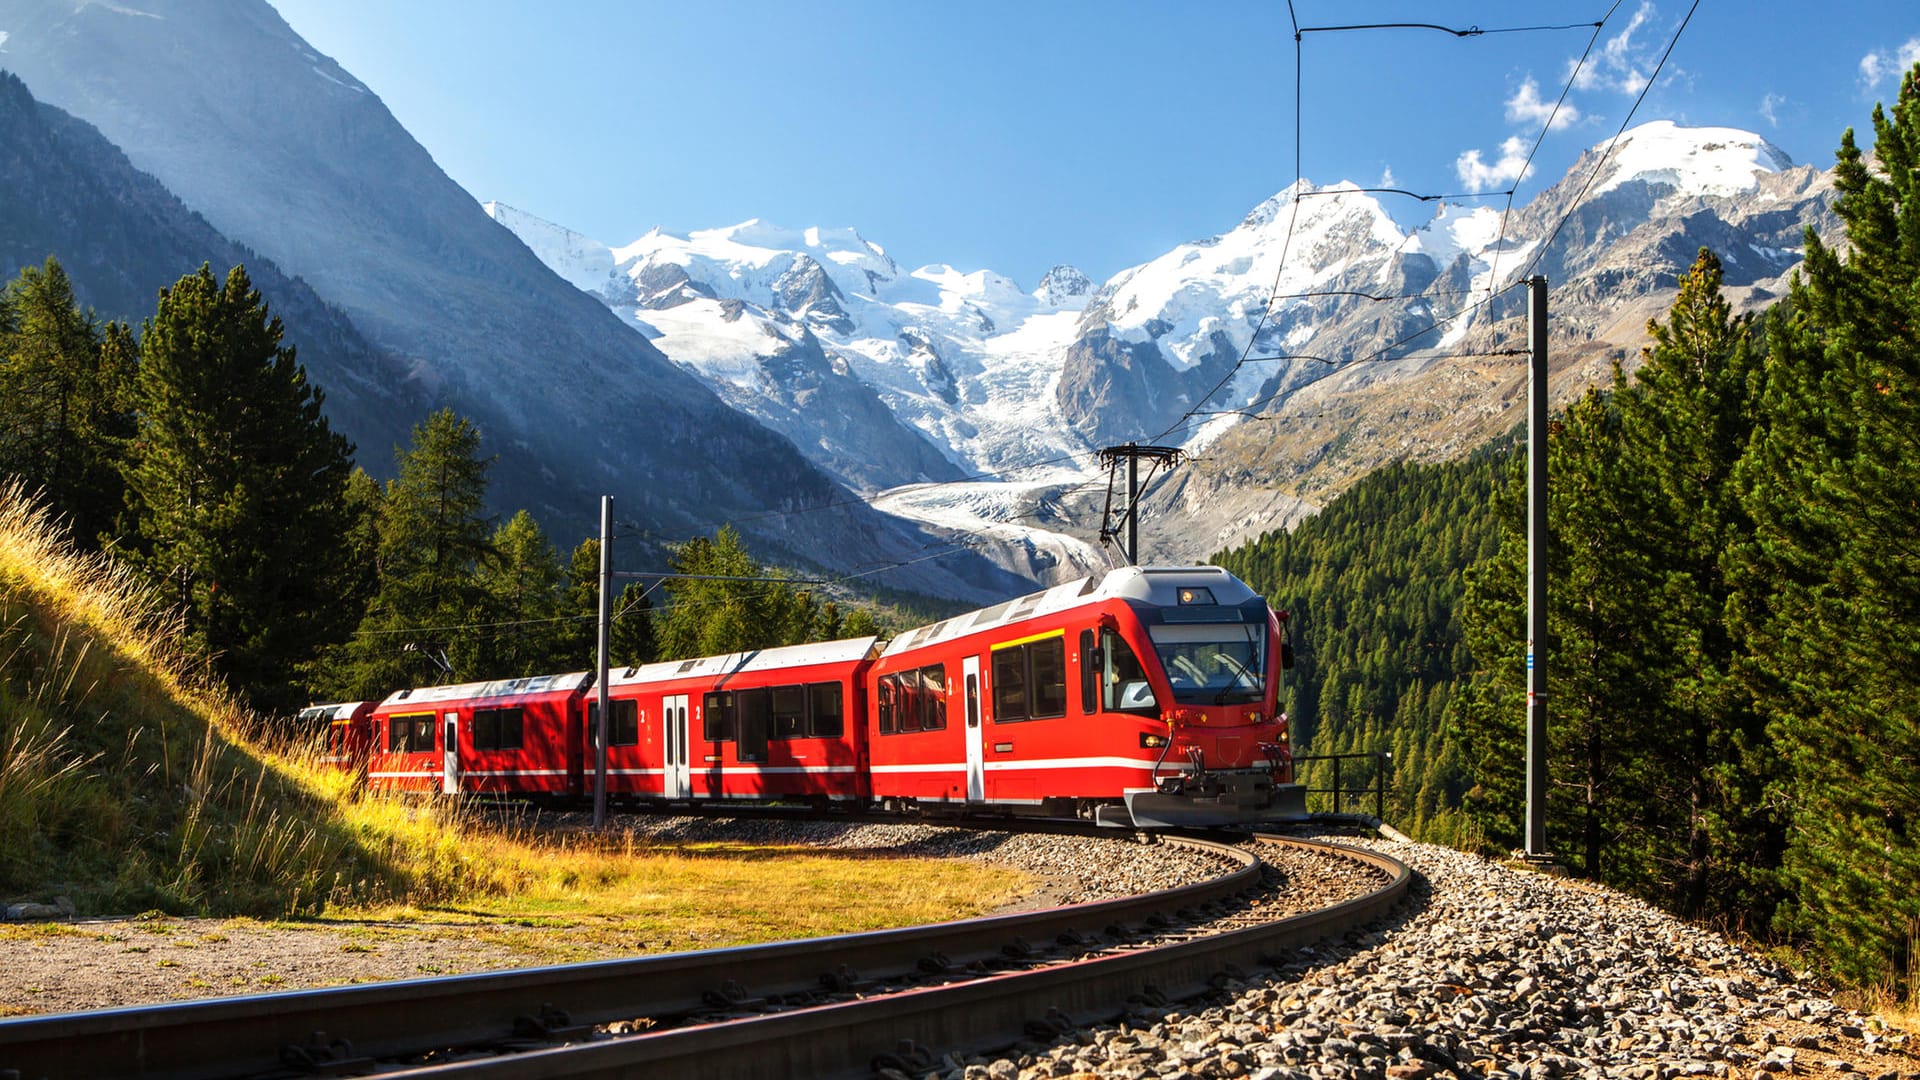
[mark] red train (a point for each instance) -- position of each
(1146, 697)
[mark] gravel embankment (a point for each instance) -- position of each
(1491, 972)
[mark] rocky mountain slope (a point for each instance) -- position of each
(1315, 340)
(285, 152)
(122, 237)
(1612, 258)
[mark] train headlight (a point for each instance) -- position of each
(1152, 742)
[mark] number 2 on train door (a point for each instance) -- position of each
(975, 732)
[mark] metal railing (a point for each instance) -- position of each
(1382, 765)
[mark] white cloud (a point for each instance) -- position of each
(1525, 107)
(1622, 63)
(1386, 178)
(1480, 176)
(1770, 107)
(1877, 67)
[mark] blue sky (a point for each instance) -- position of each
(1016, 135)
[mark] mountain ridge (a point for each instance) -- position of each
(283, 151)
(1132, 358)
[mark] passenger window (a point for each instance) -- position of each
(625, 727)
(789, 712)
(498, 729)
(718, 723)
(626, 723)
(1030, 680)
(1047, 667)
(828, 719)
(422, 734)
(933, 697)
(1010, 684)
(889, 694)
(753, 714)
(907, 710)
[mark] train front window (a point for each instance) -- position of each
(1213, 663)
(1123, 682)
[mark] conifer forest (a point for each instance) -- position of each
(1735, 573)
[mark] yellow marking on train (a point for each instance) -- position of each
(1028, 640)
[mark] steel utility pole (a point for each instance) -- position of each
(1537, 569)
(600, 664)
(1131, 453)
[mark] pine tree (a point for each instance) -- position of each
(65, 385)
(235, 483)
(434, 541)
(1829, 611)
(1687, 424)
(860, 623)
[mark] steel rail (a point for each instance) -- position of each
(844, 1040)
(246, 1036)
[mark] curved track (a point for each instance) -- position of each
(817, 1007)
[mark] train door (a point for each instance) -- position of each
(450, 757)
(976, 731)
(673, 723)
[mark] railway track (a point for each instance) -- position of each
(849, 1005)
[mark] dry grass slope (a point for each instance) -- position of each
(131, 782)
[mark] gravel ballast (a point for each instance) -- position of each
(1491, 971)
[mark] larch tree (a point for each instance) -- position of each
(434, 540)
(523, 632)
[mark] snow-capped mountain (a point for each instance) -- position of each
(1317, 302)
(960, 366)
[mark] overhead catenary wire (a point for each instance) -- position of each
(1573, 74)
(1299, 33)
(1613, 143)
(1383, 354)
(1460, 32)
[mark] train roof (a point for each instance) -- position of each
(334, 710)
(788, 656)
(497, 688)
(1159, 586)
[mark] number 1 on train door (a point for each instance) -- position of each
(976, 731)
